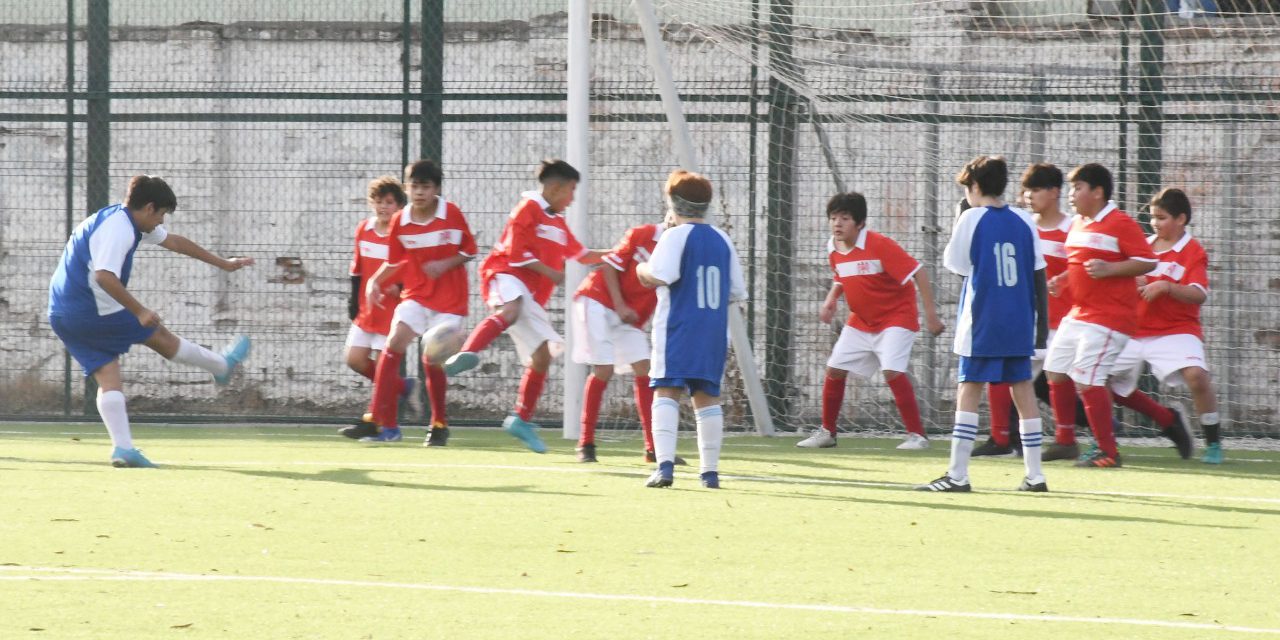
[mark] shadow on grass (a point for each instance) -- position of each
(363, 477)
(1015, 512)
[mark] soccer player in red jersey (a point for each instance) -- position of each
(517, 280)
(370, 324)
(427, 246)
(610, 310)
(1169, 336)
(876, 277)
(1106, 250)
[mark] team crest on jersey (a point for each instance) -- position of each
(553, 233)
(373, 250)
(432, 239)
(1100, 241)
(1170, 270)
(859, 268)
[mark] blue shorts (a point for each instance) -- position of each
(979, 369)
(692, 384)
(97, 341)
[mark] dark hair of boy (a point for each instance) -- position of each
(852, 204)
(424, 171)
(989, 173)
(1174, 201)
(1094, 175)
(145, 190)
(385, 186)
(557, 170)
(1042, 175)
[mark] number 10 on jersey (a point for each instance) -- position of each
(709, 287)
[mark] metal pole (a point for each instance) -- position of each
(432, 91)
(1150, 97)
(577, 147)
(70, 172)
(752, 150)
(780, 216)
(689, 159)
(930, 175)
(97, 132)
(406, 38)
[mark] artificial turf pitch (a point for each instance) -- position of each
(276, 532)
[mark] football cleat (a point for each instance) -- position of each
(359, 430)
(525, 431)
(1099, 459)
(1034, 487)
(388, 434)
(130, 459)
(1212, 454)
(820, 439)
(587, 453)
(460, 362)
(1180, 434)
(1057, 451)
(662, 477)
(234, 354)
(437, 436)
(711, 479)
(914, 442)
(945, 484)
(995, 449)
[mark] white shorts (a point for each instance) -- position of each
(1085, 351)
(601, 337)
(421, 319)
(865, 354)
(1168, 356)
(533, 327)
(361, 339)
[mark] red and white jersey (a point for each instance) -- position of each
(1185, 263)
(1053, 244)
(533, 234)
(370, 254)
(413, 244)
(876, 276)
(1113, 236)
(635, 247)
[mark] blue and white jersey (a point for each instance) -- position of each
(691, 324)
(997, 250)
(104, 241)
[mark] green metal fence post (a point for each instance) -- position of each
(433, 80)
(1150, 98)
(783, 121)
(97, 131)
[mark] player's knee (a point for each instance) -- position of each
(602, 372)
(890, 376)
(837, 374)
(510, 311)
(357, 360)
(640, 368)
(1197, 379)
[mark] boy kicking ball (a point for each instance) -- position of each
(95, 316)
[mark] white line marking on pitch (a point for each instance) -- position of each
(12, 573)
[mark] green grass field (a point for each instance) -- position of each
(271, 532)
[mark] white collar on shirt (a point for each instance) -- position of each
(1111, 206)
(536, 196)
(442, 211)
(860, 243)
(1177, 246)
(1064, 225)
(372, 225)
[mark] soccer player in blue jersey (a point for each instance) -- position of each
(1002, 318)
(697, 273)
(97, 318)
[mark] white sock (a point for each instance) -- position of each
(111, 407)
(710, 437)
(666, 421)
(1209, 418)
(1032, 434)
(198, 356)
(962, 436)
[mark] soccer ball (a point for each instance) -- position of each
(441, 341)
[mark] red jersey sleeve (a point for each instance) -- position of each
(1198, 270)
(621, 254)
(1133, 243)
(897, 263)
(524, 229)
(468, 245)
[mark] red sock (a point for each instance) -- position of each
(832, 399)
(387, 385)
(370, 366)
(437, 384)
(904, 395)
(486, 332)
(1142, 403)
(1062, 395)
(1097, 405)
(592, 395)
(530, 390)
(999, 399)
(644, 406)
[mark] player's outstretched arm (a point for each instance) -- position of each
(537, 265)
(110, 283)
(931, 320)
(593, 256)
(828, 311)
(1042, 310)
(180, 244)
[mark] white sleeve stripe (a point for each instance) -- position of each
(911, 275)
